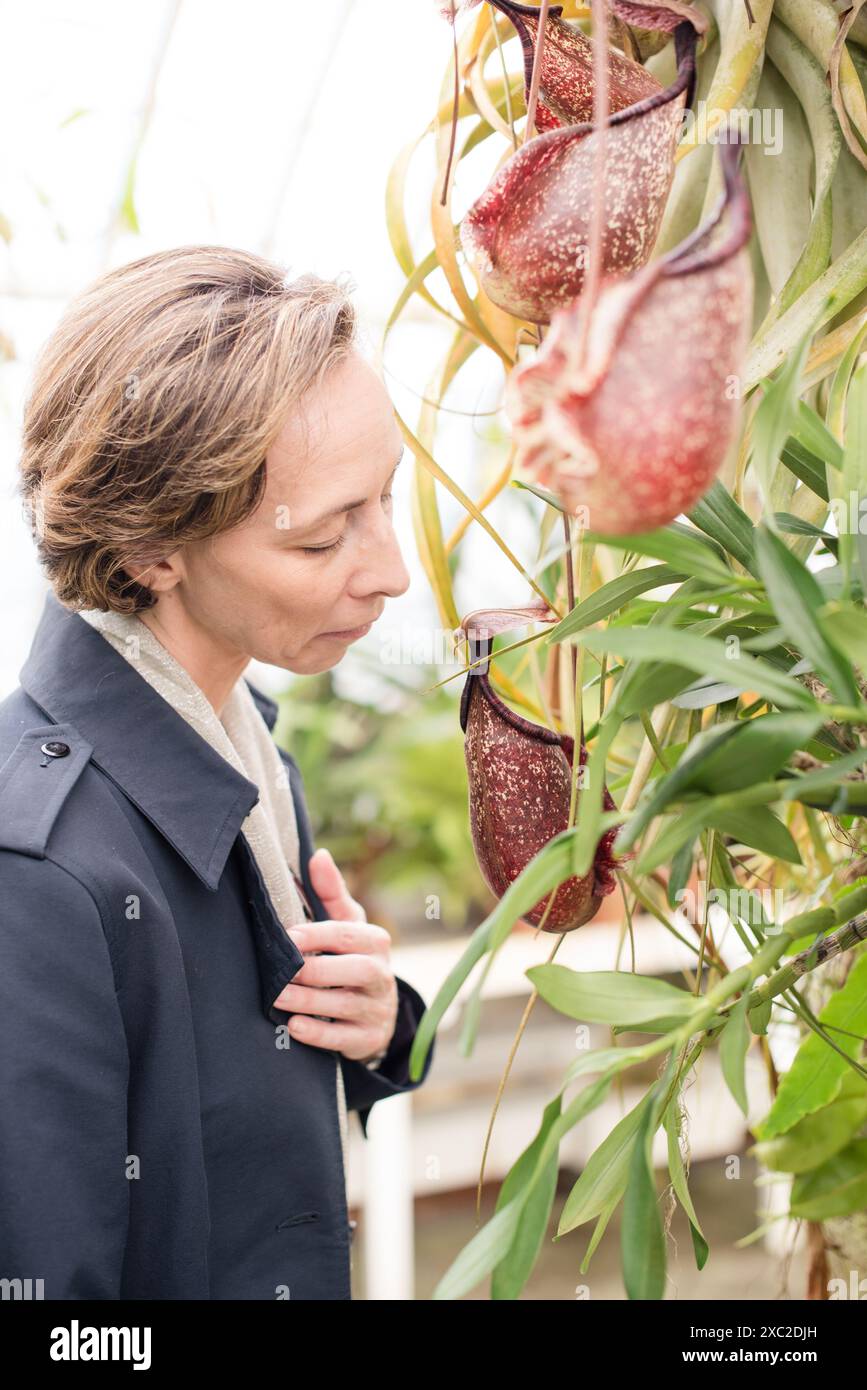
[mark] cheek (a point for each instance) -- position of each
(279, 599)
(307, 582)
(301, 589)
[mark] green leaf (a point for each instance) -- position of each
(513, 1271)
(847, 629)
(760, 747)
(792, 525)
(702, 694)
(679, 1183)
(706, 656)
(816, 1137)
(841, 385)
(734, 1042)
(720, 517)
(808, 786)
(807, 80)
(590, 818)
(811, 432)
(851, 506)
(598, 1232)
(641, 1234)
(605, 1173)
(603, 1059)
(751, 825)
(674, 834)
(524, 1166)
(817, 1073)
(681, 868)
(492, 1243)
(645, 685)
(610, 996)
(797, 600)
(773, 420)
(700, 1247)
(759, 1017)
(542, 492)
(689, 553)
(838, 1188)
(612, 596)
(671, 785)
(806, 467)
(641, 685)
(758, 827)
(826, 297)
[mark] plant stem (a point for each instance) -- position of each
(456, 102)
(593, 273)
(525, 1018)
(823, 950)
(653, 740)
(709, 852)
(530, 128)
(799, 1008)
(644, 765)
(510, 117)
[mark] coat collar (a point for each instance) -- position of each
(196, 799)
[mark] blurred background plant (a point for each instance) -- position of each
(388, 795)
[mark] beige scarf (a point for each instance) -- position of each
(241, 736)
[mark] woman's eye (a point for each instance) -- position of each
(321, 549)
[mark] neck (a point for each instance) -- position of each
(214, 665)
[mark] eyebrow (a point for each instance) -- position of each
(346, 506)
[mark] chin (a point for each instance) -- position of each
(308, 665)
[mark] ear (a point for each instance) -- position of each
(159, 575)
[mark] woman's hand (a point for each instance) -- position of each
(356, 987)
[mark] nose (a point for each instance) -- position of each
(383, 570)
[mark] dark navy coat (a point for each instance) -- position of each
(161, 1136)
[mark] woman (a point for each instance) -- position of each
(207, 465)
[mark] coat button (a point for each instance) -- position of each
(352, 1226)
(55, 749)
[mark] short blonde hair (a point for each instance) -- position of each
(153, 405)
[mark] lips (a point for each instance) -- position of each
(352, 633)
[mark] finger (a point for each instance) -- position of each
(347, 1038)
(353, 971)
(332, 1003)
(330, 885)
(365, 938)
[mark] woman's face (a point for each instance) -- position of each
(319, 556)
